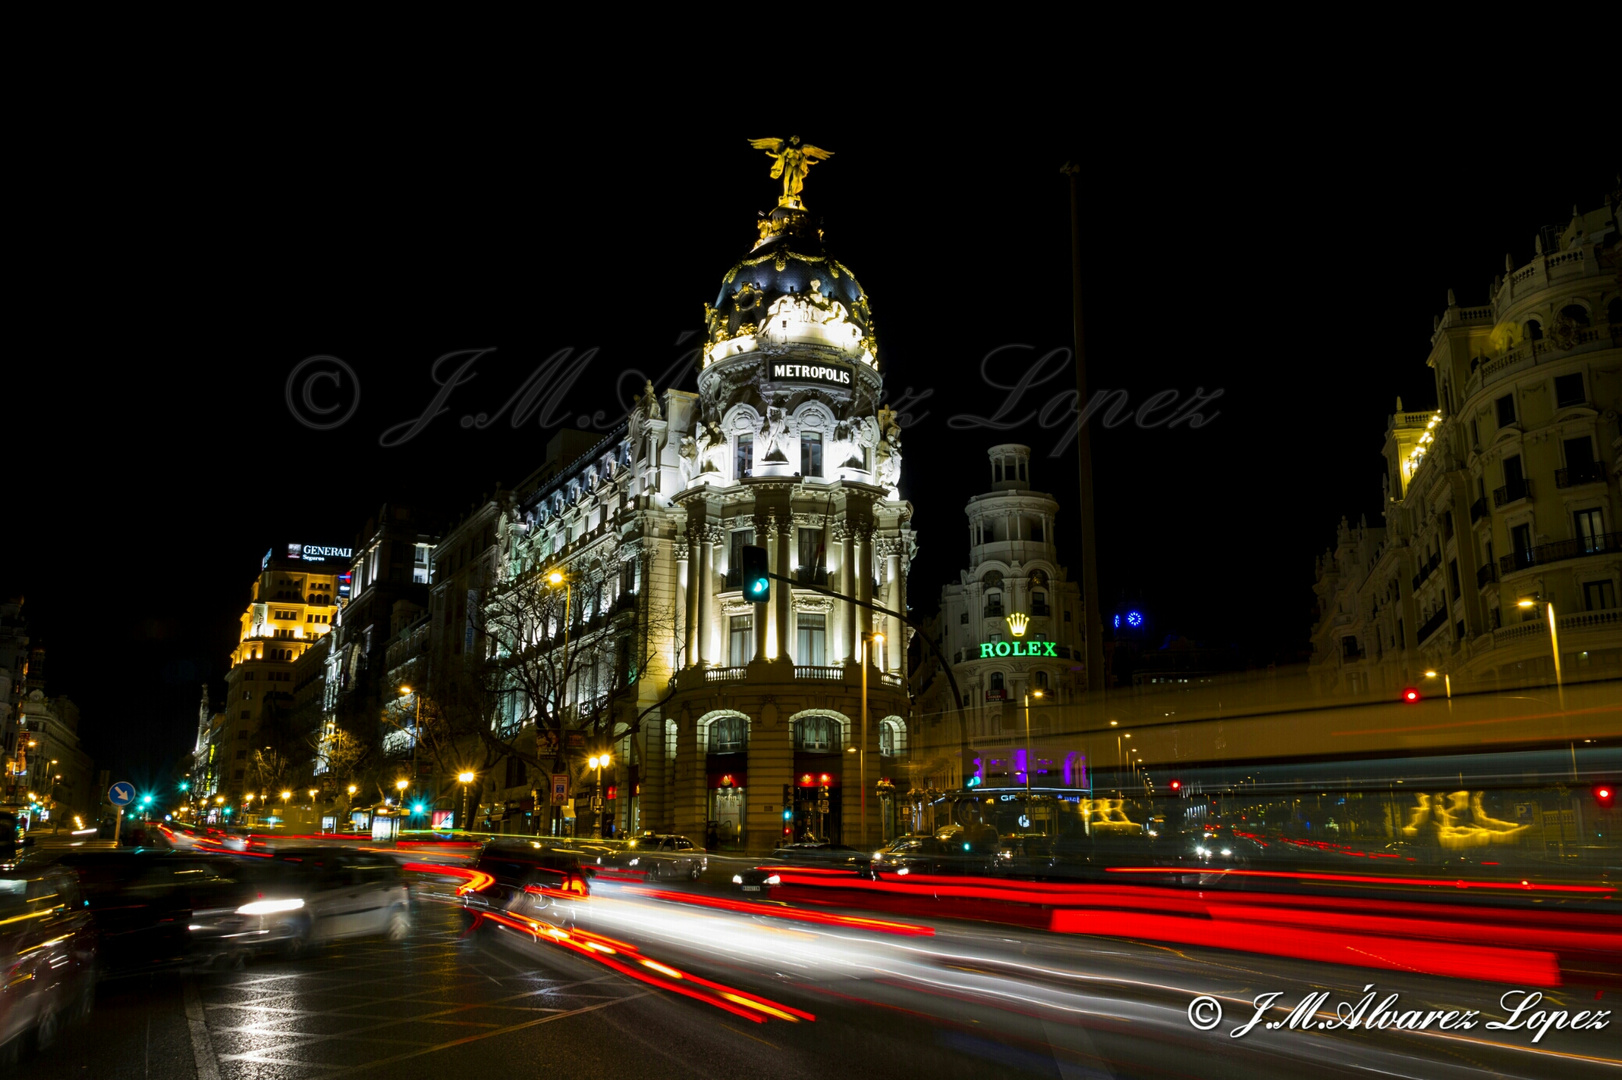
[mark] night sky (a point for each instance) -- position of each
(154, 458)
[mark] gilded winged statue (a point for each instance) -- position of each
(791, 160)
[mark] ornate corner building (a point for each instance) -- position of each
(1013, 630)
(734, 722)
(1501, 547)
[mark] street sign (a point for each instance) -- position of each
(121, 793)
(560, 788)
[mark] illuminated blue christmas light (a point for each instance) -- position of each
(1117, 622)
(1134, 618)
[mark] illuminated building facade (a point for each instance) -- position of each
(13, 672)
(1012, 625)
(737, 710)
(1501, 501)
(295, 604)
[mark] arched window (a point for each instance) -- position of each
(1039, 680)
(1576, 313)
(729, 735)
(996, 680)
(892, 737)
(1534, 330)
(815, 733)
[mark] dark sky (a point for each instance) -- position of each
(1298, 276)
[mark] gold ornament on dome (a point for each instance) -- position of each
(791, 161)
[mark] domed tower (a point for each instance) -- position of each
(787, 447)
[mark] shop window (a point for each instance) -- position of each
(815, 734)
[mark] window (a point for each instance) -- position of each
(814, 733)
(812, 643)
(741, 638)
(1534, 330)
(1568, 390)
(1506, 410)
(744, 458)
(1599, 595)
(811, 453)
(247, 695)
(1036, 531)
(245, 714)
(993, 604)
(1039, 603)
(996, 681)
(963, 619)
(1576, 313)
(1039, 680)
(741, 538)
(1590, 530)
(1520, 539)
(810, 550)
(729, 735)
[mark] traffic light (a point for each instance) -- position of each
(973, 781)
(1410, 695)
(757, 587)
(1176, 786)
(1605, 795)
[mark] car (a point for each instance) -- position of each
(531, 879)
(322, 894)
(757, 879)
(145, 904)
(820, 853)
(663, 857)
(925, 854)
(48, 952)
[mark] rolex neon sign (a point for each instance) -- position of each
(988, 649)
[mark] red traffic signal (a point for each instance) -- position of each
(1410, 695)
(1605, 795)
(1177, 785)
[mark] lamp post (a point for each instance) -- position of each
(868, 641)
(464, 778)
(556, 578)
(597, 762)
(416, 727)
(400, 786)
(1028, 695)
(1447, 682)
(1554, 645)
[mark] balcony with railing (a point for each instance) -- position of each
(827, 672)
(1591, 473)
(1542, 554)
(1486, 575)
(1433, 624)
(811, 575)
(1478, 510)
(1512, 493)
(1426, 569)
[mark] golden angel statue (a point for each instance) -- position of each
(791, 161)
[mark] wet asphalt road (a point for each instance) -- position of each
(974, 1001)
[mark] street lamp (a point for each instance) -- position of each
(1447, 682)
(1028, 695)
(464, 778)
(598, 762)
(556, 578)
(416, 725)
(868, 641)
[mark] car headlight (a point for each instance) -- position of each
(1225, 851)
(269, 907)
(903, 870)
(737, 879)
(774, 880)
(1201, 852)
(633, 862)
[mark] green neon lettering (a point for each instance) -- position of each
(985, 651)
(1019, 648)
(1002, 648)
(1048, 647)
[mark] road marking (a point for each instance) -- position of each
(486, 1035)
(202, 1049)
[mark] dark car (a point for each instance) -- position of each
(757, 879)
(923, 854)
(820, 853)
(48, 954)
(529, 879)
(322, 894)
(143, 904)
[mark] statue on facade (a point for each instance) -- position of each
(711, 445)
(651, 397)
(774, 432)
(791, 161)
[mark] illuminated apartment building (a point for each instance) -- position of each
(295, 603)
(1501, 501)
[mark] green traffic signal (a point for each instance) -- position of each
(756, 585)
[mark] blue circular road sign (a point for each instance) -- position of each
(121, 793)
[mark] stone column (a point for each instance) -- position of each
(864, 581)
(890, 548)
(706, 593)
(847, 587)
(690, 810)
(683, 612)
(781, 596)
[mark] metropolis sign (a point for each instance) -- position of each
(988, 649)
(831, 374)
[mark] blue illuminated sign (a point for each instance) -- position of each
(1134, 618)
